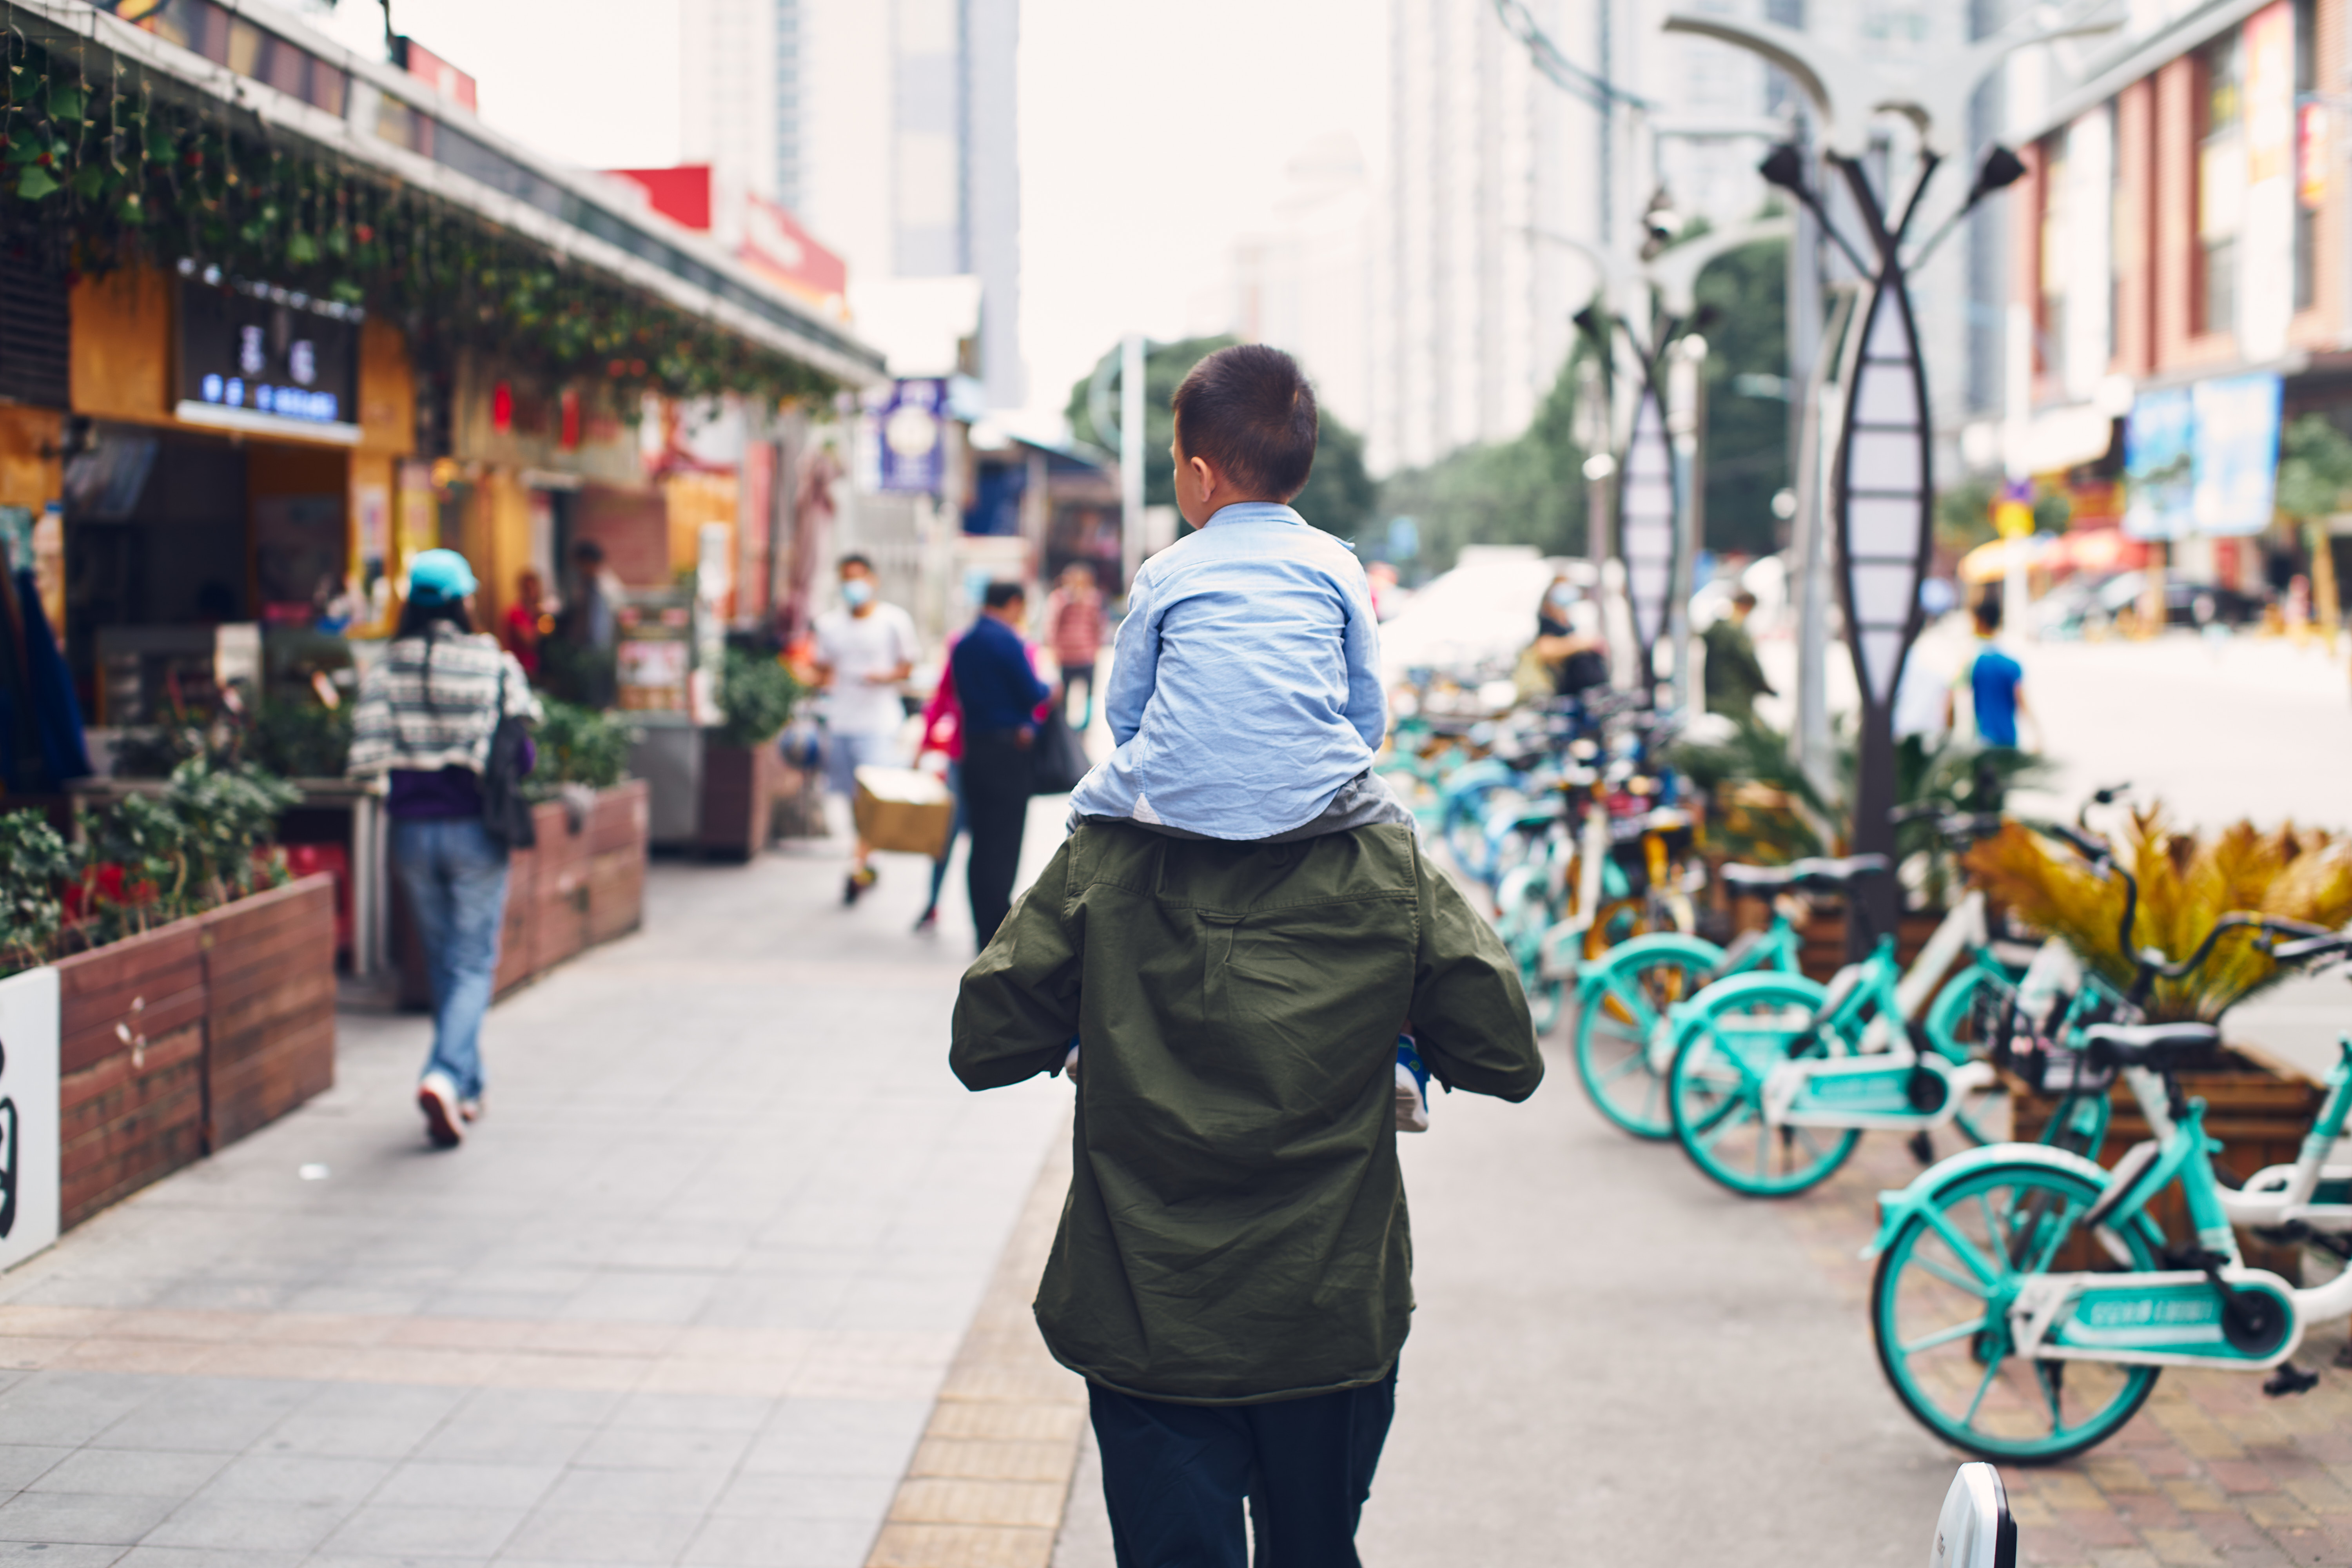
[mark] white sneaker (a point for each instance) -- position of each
(436, 1096)
(1412, 1105)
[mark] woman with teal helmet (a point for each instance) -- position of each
(427, 710)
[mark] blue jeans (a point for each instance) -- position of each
(1175, 1476)
(456, 879)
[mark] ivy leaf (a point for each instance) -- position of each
(35, 183)
(89, 181)
(302, 250)
(64, 101)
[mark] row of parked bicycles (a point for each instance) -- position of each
(2026, 1295)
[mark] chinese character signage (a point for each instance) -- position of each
(913, 428)
(257, 357)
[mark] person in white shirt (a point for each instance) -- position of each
(864, 651)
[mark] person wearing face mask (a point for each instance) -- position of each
(1569, 639)
(864, 650)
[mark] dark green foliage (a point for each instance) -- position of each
(2314, 469)
(300, 739)
(1947, 772)
(1530, 491)
(1340, 496)
(1964, 514)
(1746, 449)
(577, 746)
(35, 862)
(223, 814)
(103, 177)
(757, 695)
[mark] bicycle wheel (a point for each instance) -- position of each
(1525, 913)
(1939, 1312)
(1741, 1028)
(1618, 1046)
(1956, 1032)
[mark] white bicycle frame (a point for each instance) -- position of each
(2276, 1196)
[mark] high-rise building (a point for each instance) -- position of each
(888, 126)
(1492, 165)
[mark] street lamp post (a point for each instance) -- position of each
(1883, 479)
(1657, 496)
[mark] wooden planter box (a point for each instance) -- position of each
(576, 887)
(739, 785)
(1823, 951)
(182, 1040)
(2258, 1108)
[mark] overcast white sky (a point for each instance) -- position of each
(1153, 132)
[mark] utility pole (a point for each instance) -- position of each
(1881, 485)
(1131, 459)
(1686, 422)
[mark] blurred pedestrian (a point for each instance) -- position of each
(1000, 693)
(1074, 630)
(1995, 683)
(943, 738)
(1735, 676)
(521, 635)
(590, 631)
(866, 649)
(426, 712)
(1569, 641)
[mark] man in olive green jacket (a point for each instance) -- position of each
(1233, 1272)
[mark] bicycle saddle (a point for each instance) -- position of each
(1824, 873)
(2158, 1045)
(1758, 878)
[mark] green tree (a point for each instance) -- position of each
(1528, 490)
(1531, 489)
(2314, 474)
(1746, 448)
(1340, 495)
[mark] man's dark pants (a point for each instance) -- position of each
(1174, 1477)
(997, 771)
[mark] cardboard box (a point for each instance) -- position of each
(905, 809)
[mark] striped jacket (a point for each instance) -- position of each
(430, 703)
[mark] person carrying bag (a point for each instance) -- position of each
(443, 714)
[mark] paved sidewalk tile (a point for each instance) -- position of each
(689, 1293)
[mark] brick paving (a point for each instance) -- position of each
(2211, 1474)
(689, 1296)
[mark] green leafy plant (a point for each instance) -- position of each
(299, 740)
(578, 746)
(35, 862)
(757, 696)
(97, 171)
(2186, 885)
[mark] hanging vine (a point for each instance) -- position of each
(93, 178)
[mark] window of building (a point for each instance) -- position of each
(2221, 180)
(2056, 247)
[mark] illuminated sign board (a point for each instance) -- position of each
(258, 357)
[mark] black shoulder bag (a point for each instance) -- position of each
(506, 813)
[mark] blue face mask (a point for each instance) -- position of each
(855, 591)
(1562, 597)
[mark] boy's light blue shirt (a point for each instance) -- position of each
(1245, 688)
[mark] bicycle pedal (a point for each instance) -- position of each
(2290, 1379)
(1923, 1148)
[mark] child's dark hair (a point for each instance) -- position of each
(1987, 611)
(999, 595)
(1249, 411)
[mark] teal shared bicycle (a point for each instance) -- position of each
(1636, 1002)
(2026, 1301)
